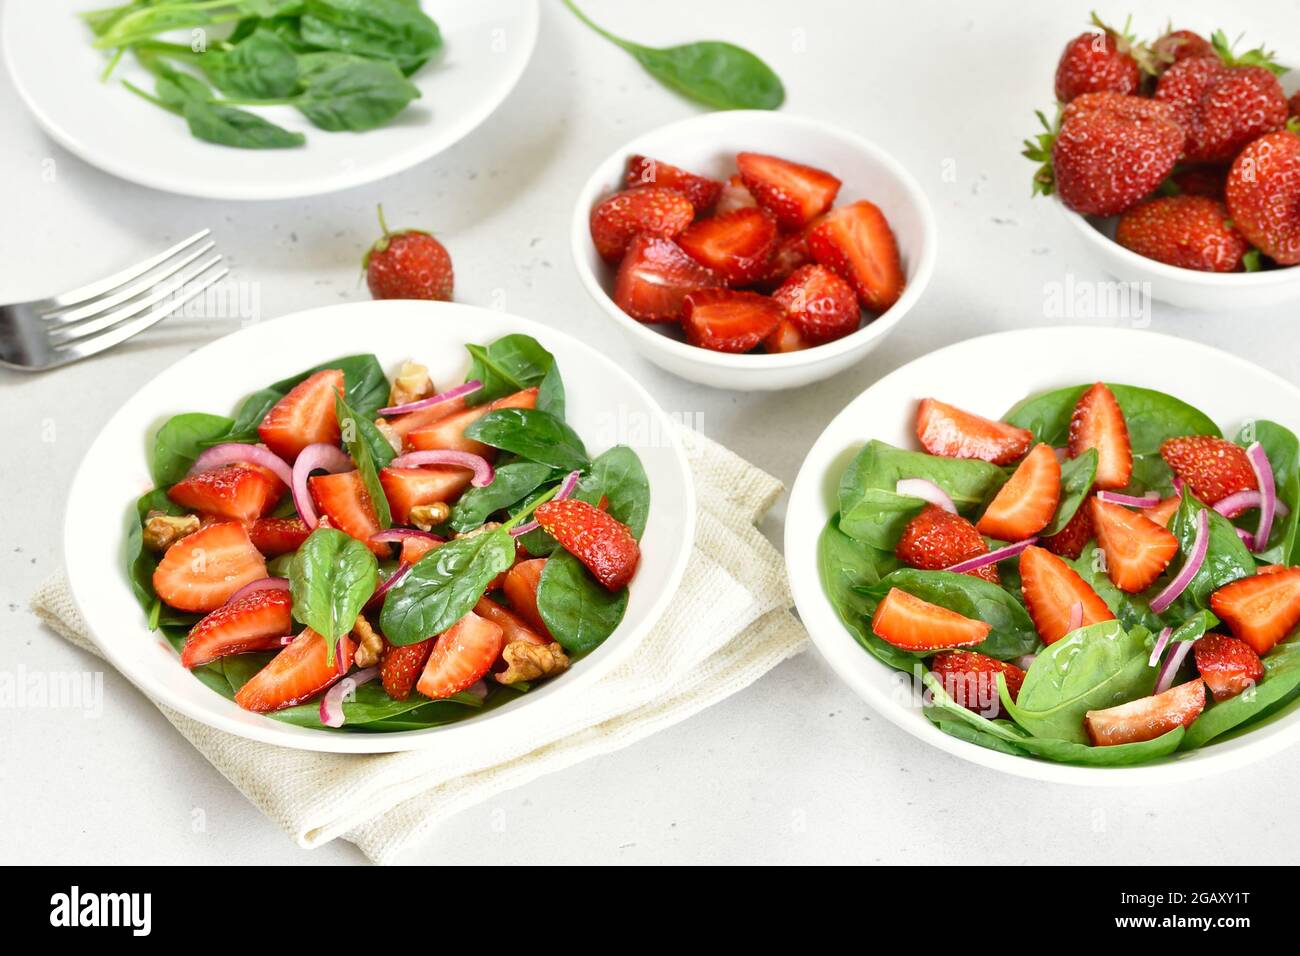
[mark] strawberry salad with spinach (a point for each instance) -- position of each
(349, 553)
(1100, 578)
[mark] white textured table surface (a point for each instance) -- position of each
(796, 769)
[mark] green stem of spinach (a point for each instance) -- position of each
(597, 27)
(149, 96)
(525, 513)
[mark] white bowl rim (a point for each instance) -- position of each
(466, 732)
(877, 328)
(841, 651)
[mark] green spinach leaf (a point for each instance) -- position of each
(181, 440)
(229, 126)
(1226, 558)
(577, 609)
(511, 484)
(617, 474)
(847, 567)
(1283, 451)
(378, 29)
(261, 66)
(533, 434)
(355, 94)
(331, 577)
(1281, 679)
(1077, 476)
(511, 364)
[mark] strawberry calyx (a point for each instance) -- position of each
(1127, 44)
(382, 243)
(1039, 150)
(1259, 56)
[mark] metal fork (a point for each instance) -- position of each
(48, 333)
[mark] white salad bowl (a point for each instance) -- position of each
(708, 144)
(604, 404)
(1048, 358)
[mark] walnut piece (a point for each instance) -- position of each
(370, 644)
(425, 517)
(411, 385)
(162, 530)
(530, 662)
(385, 429)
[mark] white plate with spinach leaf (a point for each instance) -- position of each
(264, 99)
(215, 386)
(1179, 387)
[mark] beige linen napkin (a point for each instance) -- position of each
(730, 623)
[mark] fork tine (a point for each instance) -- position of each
(98, 306)
(77, 296)
(76, 349)
(99, 323)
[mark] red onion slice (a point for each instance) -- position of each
(396, 576)
(229, 452)
(398, 535)
(1267, 494)
(483, 473)
(313, 457)
(479, 689)
(1162, 641)
(992, 557)
(926, 491)
(331, 705)
(264, 584)
(1170, 667)
(1200, 545)
(288, 639)
(1178, 486)
(473, 385)
(1233, 505)
(1076, 617)
(567, 487)
(1130, 501)
(1247, 537)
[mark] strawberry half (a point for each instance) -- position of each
(1069, 541)
(202, 570)
(513, 627)
(727, 320)
(1148, 718)
(520, 586)
(231, 491)
(855, 242)
(655, 277)
(1051, 589)
(403, 425)
(400, 666)
(449, 433)
(1212, 467)
(276, 536)
(822, 306)
(791, 253)
(305, 416)
(1027, 502)
(462, 654)
(946, 430)
(1099, 423)
(1261, 609)
(785, 338)
(1163, 512)
(343, 499)
(795, 194)
(736, 246)
(255, 622)
(1137, 549)
(601, 542)
(405, 488)
(299, 672)
(905, 621)
(413, 549)
(935, 540)
(1227, 665)
(971, 680)
(734, 196)
(652, 209)
(700, 190)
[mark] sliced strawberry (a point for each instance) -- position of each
(405, 488)
(520, 585)
(462, 654)
(736, 246)
(1261, 609)
(255, 622)
(727, 320)
(700, 190)
(1098, 423)
(655, 277)
(794, 193)
(1147, 718)
(601, 542)
(651, 209)
(202, 570)
(946, 430)
(1163, 512)
(821, 305)
(299, 672)
(305, 416)
(791, 253)
(734, 196)
(1027, 502)
(343, 499)
(856, 242)
(971, 680)
(449, 433)
(935, 540)
(1069, 541)
(1137, 549)
(785, 338)
(231, 491)
(908, 622)
(403, 425)
(1212, 467)
(1051, 589)
(1227, 665)
(512, 626)
(400, 666)
(276, 536)
(413, 549)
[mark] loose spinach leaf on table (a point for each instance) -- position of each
(846, 566)
(369, 451)
(331, 578)
(577, 609)
(511, 364)
(181, 440)
(444, 585)
(533, 434)
(1077, 476)
(379, 29)
(1283, 451)
(1281, 679)
(510, 485)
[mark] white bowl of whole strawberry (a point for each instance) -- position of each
(1178, 163)
(753, 250)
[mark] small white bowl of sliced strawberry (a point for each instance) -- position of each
(753, 250)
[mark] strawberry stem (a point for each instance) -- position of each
(382, 225)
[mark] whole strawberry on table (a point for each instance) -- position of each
(1100, 577)
(1191, 144)
(350, 552)
(763, 260)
